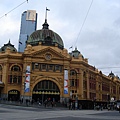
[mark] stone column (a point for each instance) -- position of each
(81, 85)
(88, 88)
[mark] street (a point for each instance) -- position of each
(10, 112)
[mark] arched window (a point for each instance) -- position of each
(73, 78)
(73, 72)
(15, 76)
(46, 85)
(15, 68)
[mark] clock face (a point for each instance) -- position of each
(48, 57)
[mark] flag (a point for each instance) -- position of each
(20, 42)
(70, 47)
(47, 9)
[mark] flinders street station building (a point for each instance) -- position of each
(46, 70)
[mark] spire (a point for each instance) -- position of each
(76, 49)
(45, 25)
(9, 41)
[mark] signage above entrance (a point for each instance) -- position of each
(46, 92)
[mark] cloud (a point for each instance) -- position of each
(98, 40)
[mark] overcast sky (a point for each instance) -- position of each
(99, 39)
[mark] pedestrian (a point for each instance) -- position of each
(45, 102)
(101, 107)
(119, 109)
(79, 106)
(52, 104)
(69, 105)
(26, 102)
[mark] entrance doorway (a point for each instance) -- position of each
(13, 95)
(46, 89)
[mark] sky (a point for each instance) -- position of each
(93, 26)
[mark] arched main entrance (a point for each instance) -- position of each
(13, 95)
(46, 89)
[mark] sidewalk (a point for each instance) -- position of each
(36, 105)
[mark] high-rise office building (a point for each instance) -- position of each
(28, 26)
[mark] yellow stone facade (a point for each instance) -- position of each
(47, 63)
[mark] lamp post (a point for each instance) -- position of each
(24, 88)
(24, 91)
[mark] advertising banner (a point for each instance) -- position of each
(27, 80)
(65, 81)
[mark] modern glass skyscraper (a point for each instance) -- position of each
(28, 26)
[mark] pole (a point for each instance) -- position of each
(24, 90)
(42, 97)
(46, 14)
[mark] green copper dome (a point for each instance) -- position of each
(75, 53)
(8, 45)
(46, 37)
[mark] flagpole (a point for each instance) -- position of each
(46, 14)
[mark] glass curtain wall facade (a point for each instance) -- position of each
(28, 26)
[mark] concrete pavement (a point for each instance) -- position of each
(8, 112)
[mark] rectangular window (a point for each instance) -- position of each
(19, 79)
(50, 67)
(43, 66)
(43, 86)
(32, 66)
(36, 66)
(57, 67)
(72, 91)
(46, 84)
(15, 79)
(10, 79)
(50, 85)
(72, 83)
(60, 68)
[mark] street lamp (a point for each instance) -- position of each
(24, 87)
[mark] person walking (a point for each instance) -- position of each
(101, 107)
(119, 109)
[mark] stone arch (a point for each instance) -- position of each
(15, 74)
(13, 95)
(15, 65)
(43, 94)
(38, 79)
